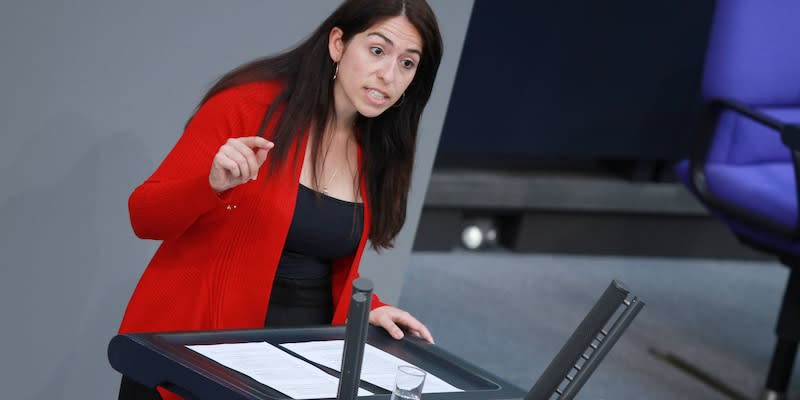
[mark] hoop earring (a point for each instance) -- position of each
(402, 99)
(335, 70)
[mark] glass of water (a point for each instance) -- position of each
(408, 383)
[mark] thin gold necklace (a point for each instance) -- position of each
(335, 171)
(325, 187)
(324, 159)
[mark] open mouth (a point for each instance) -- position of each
(376, 96)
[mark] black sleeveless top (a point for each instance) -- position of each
(323, 229)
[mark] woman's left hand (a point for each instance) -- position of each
(392, 318)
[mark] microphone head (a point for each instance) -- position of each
(363, 285)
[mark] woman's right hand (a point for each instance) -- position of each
(238, 161)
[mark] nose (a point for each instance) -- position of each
(386, 70)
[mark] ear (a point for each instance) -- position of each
(335, 44)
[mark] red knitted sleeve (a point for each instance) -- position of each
(178, 192)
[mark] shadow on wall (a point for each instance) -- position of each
(68, 255)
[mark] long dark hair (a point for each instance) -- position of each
(388, 141)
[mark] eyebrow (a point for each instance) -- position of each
(382, 36)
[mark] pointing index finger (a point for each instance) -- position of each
(257, 142)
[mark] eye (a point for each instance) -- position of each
(376, 50)
(408, 64)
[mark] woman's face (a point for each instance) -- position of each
(375, 66)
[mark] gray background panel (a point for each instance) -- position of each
(94, 95)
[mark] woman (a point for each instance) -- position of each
(290, 164)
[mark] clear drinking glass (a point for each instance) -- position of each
(408, 383)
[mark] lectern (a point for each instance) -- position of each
(163, 359)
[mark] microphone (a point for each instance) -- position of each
(355, 338)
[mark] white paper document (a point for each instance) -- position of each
(275, 368)
(378, 367)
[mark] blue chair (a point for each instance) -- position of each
(745, 167)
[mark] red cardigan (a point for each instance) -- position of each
(216, 264)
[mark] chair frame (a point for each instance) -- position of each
(788, 325)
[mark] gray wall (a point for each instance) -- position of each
(94, 95)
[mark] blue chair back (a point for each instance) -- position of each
(753, 57)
